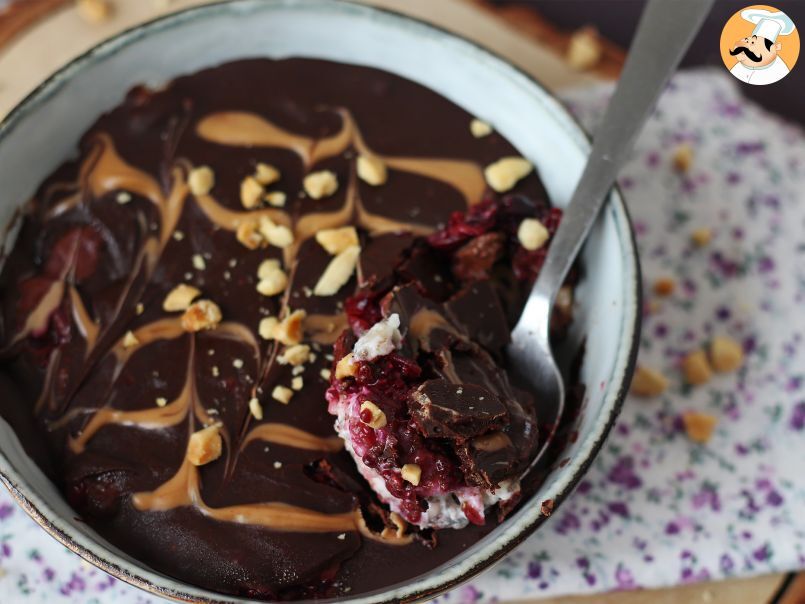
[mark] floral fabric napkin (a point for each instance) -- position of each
(655, 509)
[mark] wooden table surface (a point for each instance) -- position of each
(514, 32)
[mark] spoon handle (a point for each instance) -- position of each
(665, 31)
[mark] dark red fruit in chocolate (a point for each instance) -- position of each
(75, 253)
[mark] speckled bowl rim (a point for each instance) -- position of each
(447, 575)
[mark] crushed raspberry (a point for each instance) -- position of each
(463, 226)
(472, 514)
(78, 250)
(362, 311)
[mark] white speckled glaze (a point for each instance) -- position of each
(44, 129)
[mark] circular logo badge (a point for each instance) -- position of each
(760, 45)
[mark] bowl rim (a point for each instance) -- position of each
(158, 585)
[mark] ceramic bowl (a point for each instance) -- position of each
(44, 129)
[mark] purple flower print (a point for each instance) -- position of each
(623, 578)
(534, 569)
(797, 421)
(6, 510)
(623, 473)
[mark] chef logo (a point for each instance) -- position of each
(760, 45)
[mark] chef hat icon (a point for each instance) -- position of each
(768, 24)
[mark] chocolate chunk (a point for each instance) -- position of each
(478, 310)
(428, 271)
(381, 256)
(442, 409)
(474, 260)
(424, 322)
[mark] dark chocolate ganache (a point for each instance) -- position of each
(171, 303)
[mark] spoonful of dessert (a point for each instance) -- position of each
(664, 33)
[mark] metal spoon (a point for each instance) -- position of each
(665, 32)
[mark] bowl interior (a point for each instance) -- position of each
(45, 129)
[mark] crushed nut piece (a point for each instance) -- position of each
(123, 197)
(584, 51)
(336, 241)
(683, 158)
(139, 309)
(507, 172)
(282, 394)
(201, 180)
(701, 236)
(412, 473)
(699, 426)
(664, 286)
(277, 235)
(289, 331)
(273, 282)
(130, 340)
(251, 192)
(266, 174)
(94, 11)
(237, 363)
(198, 262)
(178, 235)
(256, 409)
(726, 354)
(248, 233)
(372, 170)
(372, 415)
(648, 382)
(532, 234)
(320, 184)
(180, 298)
(201, 315)
(294, 355)
(338, 272)
(268, 327)
(161, 401)
(267, 267)
(696, 368)
(346, 367)
(480, 128)
(204, 446)
(276, 199)
(325, 374)
(297, 383)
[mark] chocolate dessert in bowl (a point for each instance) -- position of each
(254, 328)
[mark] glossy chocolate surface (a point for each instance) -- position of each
(91, 265)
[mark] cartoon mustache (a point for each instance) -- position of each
(752, 56)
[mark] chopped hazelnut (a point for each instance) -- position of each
(338, 272)
(696, 368)
(325, 374)
(130, 340)
(180, 298)
(201, 315)
(372, 415)
(507, 172)
(273, 283)
(248, 233)
(267, 267)
(648, 382)
(268, 327)
(289, 330)
(372, 170)
(277, 235)
(161, 401)
(412, 473)
(201, 180)
(198, 262)
(532, 234)
(94, 11)
(256, 409)
(251, 192)
(699, 426)
(297, 383)
(266, 174)
(584, 51)
(320, 184)
(336, 241)
(726, 354)
(204, 446)
(139, 309)
(701, 236)
(282, 394)
(123, 198)
(480, 128)
(683, 158)
(664, 286)
(294, 355)
(276, 199)
(346, 367)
